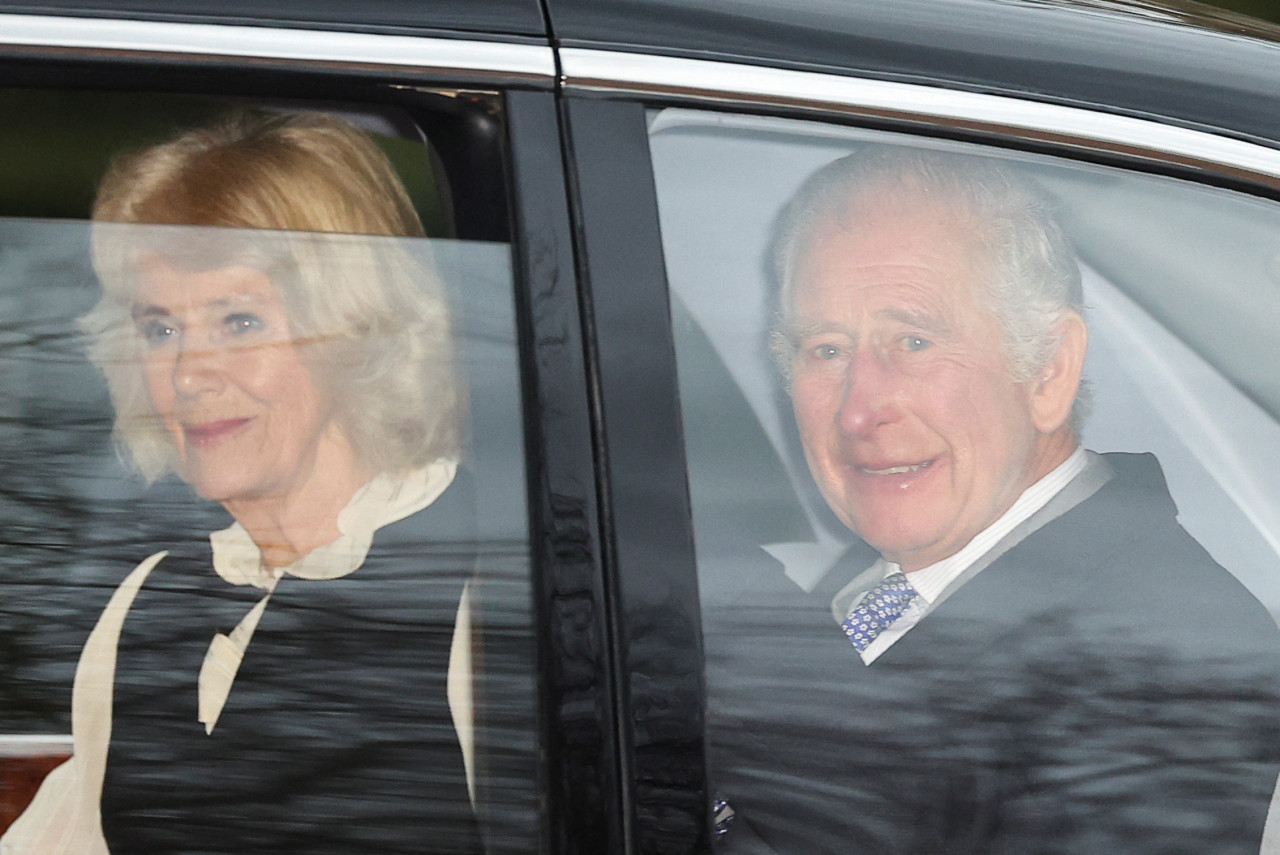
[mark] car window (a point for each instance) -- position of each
(864, 408)
(274, 340)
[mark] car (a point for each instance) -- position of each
(599, 183)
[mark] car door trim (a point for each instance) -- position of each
(679, 79)
(525, 61)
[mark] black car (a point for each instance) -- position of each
(600, 185)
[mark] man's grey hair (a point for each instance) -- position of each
(1034, 277)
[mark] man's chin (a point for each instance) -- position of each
(910, 548)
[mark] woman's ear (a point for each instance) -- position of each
(1054, 392)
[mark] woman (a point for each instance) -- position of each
(304, 382)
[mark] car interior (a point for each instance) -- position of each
(73, 513)
(1177, 360)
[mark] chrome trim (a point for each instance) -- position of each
(675, 78)
(28, 745)
(269, 42)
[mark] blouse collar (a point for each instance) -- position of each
(384, 500)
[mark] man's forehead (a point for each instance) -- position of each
(929, 252)
(896, 200)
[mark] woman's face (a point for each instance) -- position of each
(226, 379)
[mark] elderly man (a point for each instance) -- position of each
(1041, 659)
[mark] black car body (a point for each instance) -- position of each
(544, 115)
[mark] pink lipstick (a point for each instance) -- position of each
(204, 434)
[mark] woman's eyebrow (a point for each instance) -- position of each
(138, 312)
(236, 300)
(150, 310)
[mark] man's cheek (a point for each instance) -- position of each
(814, 402)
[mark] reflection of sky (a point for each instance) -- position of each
(51, 393)
(721, 181)
(717, 203)
(477, 278)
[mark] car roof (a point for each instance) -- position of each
(1173, 60)
(500, 18)
(1179, 61)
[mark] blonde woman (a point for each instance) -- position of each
(281, 685)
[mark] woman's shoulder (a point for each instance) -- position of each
(168, 516)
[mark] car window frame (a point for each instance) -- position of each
(629, 326)
(576, 704)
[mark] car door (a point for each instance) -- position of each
(684, 156)
(460, 98)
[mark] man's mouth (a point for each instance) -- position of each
(897, 470)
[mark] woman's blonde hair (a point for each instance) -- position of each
(372, 320)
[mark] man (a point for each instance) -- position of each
(1041, 659)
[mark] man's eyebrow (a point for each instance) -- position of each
(794, 332)
(925, 321)
(918, 318)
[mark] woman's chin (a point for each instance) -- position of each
(220, 489)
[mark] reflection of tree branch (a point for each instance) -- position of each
(37, 344)
(1065, 738)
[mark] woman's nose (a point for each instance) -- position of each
(197, 370)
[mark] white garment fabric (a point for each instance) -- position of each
(930, 582)
(1271, 831)
(237, 559)
(65, 818)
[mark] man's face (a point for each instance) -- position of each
(912, 425)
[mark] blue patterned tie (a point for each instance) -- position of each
(882, 605)
(722, 816)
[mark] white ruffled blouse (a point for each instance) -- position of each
(237, 559)
(64, 817)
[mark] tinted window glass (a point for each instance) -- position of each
(931, 623)
(314, 411)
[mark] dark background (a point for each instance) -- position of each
(1268, 9)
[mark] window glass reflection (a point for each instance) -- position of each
(228, 377)
(949, 603)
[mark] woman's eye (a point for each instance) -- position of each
(242, 322)
(156, 332)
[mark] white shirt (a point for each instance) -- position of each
(931, 582)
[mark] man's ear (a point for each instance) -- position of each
(1054, 392)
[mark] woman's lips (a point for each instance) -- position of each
(205, 434)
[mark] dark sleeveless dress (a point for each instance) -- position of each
(337, 735)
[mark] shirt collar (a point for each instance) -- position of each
(930, 581)
(384, 500)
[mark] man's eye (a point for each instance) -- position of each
(156, 332)
(825, 352)
(915, 342)
(242, 322)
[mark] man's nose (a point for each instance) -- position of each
(198, 370)
(869, 395)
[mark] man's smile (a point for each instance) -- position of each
(896, 470)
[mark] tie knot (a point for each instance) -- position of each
(881, 606)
